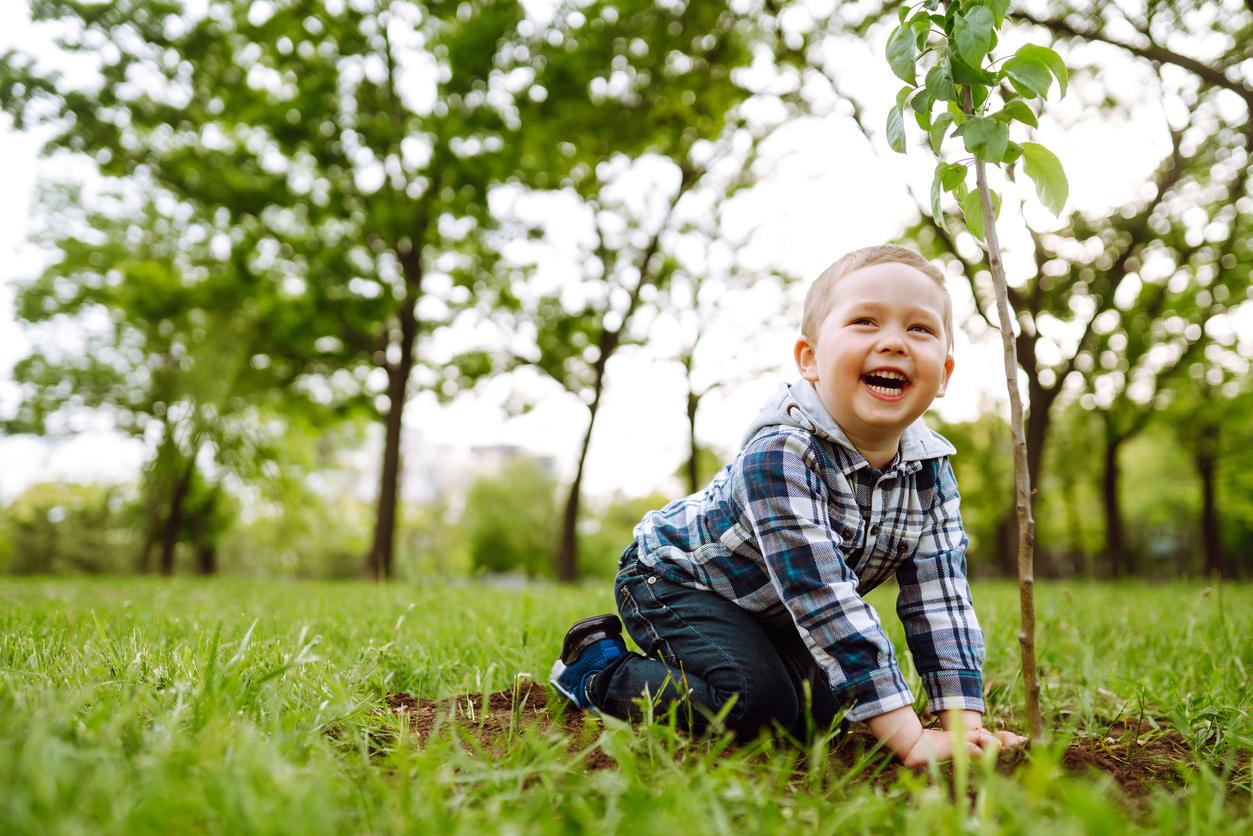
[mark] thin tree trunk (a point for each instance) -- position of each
(1074, 523)
(1022, 475)
(206, 558)
(1211, 539)
(567, 555)
(382, 549)
(1115, 545)
(693, 458)
(174, 518)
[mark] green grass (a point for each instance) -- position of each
(243, 706)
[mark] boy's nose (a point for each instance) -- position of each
(890, 342)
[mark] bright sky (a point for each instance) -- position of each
(830, 193)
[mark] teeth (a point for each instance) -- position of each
(890, 375)
(884, 390)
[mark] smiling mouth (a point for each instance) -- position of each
(886, 384)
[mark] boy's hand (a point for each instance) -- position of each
(937, 745)
(901, 732)
(972, 724)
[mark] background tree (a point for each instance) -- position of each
(161, 349)
(510, 519)
(337, 154)
(637, 101)
(710, 282)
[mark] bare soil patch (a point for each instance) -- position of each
(1136, 758)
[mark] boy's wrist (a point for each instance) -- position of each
(899, 730)
(970, 720)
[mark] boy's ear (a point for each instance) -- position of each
(806, 359)
(948, 372)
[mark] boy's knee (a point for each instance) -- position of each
(761, 701)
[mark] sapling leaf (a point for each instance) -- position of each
(972, 211)
(921, 105)
(952, 175)
(1043, 167)
(972, 33)
(938, 128)
(902, 53)
(1012, 152)
(986, 138)
(936, 185)
(1017, 110)
(963, 73)
(1050, 59)
(921, 25)
(896, 129)
(998, 9)
(1029, 75)
(940, 82)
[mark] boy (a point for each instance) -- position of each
(750, 593)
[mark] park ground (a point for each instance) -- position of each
(239, 706)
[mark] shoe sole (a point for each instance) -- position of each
(559, 667)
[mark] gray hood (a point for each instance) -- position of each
(798, 405)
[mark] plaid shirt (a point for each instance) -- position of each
(781, 533)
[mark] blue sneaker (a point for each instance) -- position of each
(590, 645)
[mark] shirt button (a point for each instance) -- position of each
(652, 579)
(874, 530)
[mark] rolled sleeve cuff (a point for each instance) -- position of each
(875, 693)
(954, 689)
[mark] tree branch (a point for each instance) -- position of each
(1214, 76)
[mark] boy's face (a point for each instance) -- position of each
(881, 355)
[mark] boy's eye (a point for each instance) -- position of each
(923, 328)
(863, 320)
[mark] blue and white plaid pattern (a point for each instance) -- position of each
(780, 529)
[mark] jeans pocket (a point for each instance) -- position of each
(635, 619)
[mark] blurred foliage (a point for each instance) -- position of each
(510, 520)
(608, 528)
(66, 528)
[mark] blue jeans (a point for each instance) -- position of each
(701, 650)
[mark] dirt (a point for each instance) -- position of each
(1137, 759)
(507, 711)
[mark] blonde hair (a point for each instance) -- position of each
(819, 299)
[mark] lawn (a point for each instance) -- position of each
(261, 706)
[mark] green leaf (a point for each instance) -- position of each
(952, 176)
(1046, 170)
(938, 128)
(940, 82)
(936, 211)
(986, 138)
(902, 95)
(921, 105)
(1050, 59)
(896, 129)
(998, 9)
(1012, 152)
(972, 210)
(1017, 110)
(972, 33)
(963, 73)
(902, 54)
(1030, 76)
(921, 26)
